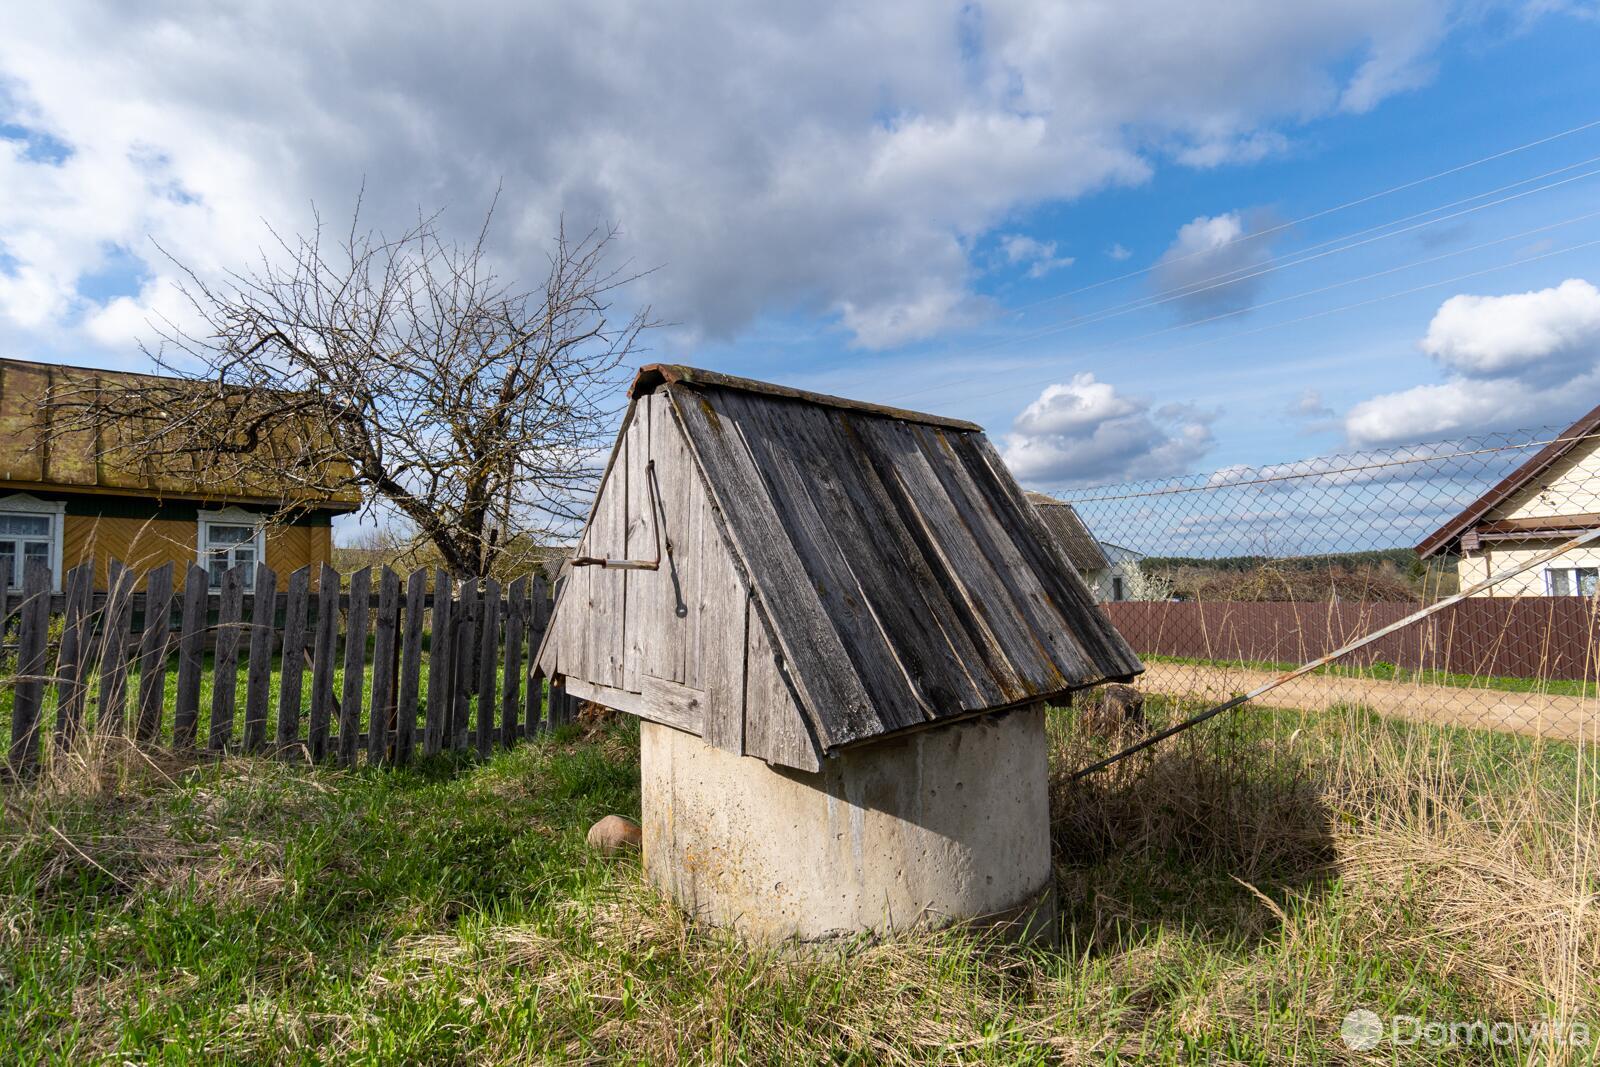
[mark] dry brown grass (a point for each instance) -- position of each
(1426, 850)
(1227, 899)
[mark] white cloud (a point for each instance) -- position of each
(1039, 256)
(837, 160)
(1541, 333)
(1519, 360)
(1251, 147)
(1461, 405)
(1215, 266)
(1084, 432)
(1119, 252)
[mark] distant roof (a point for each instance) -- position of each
(37, 453)
(1446, 536)
(903, 576)
(1064, 523)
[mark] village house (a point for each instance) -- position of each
(1551, 498)
(1104, 567)
(69, 494)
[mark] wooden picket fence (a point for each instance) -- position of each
(476, 639)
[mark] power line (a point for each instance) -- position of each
(1238, 274)
(1272, 265)
(1224, 279)
(1324, 212)
(1288, 322)
(1292, 296)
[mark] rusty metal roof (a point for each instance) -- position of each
(903, 576)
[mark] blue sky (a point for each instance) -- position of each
(1497, 87)
(911, 204)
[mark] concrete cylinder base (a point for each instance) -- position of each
(943, 826)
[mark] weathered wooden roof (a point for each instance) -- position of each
(902, 575)
(1067, 527)
(36, 453)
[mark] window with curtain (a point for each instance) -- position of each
(225, 545)
(24, 537)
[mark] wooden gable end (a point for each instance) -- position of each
(684, 643)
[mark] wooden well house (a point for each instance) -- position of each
(798, 577)
(785, 574)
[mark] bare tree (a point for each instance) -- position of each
(405, 369)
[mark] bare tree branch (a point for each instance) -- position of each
(404, 369)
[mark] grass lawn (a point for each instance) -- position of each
(1226, 899)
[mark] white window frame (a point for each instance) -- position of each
(229, 517)
(27, 504)
(1548, 591)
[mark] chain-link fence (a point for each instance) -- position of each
(1222, 581)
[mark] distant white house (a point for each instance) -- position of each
(1550, 499)
(1107, 569)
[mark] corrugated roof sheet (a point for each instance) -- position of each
(905, 578)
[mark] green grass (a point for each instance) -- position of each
(1226, 898)
(1389, 672)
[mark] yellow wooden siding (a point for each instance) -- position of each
(146, 544)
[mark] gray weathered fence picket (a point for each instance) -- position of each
(450, 669)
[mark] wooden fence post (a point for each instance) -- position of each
(441, 653)
(464, 678)
(538, 620)
(410, 665)
(28, 694)
(225, 656)
(153, 646)
(296, 607)
(488, 663)
(258, 685)
(322, 662)
(355, 658)
(384, 647)
(72, 663)
(511, 700)
(191, 652)
(117, 629)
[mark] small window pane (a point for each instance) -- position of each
(8, 563)
(230, 535)
(246, 558)
(1560, 581)
(25, 525)
(1588, 580)
(36, 550)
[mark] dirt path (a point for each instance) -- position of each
(1534, 714)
